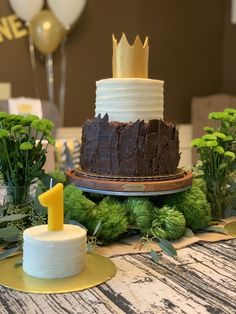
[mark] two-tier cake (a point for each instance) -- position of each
(128, 136)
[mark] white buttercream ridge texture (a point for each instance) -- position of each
(54, 254)
(130, 99)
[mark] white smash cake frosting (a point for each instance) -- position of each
(54, 254)
(130, 99)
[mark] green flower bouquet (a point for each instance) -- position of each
(22, 154)
(217, 159)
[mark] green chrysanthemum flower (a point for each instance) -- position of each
(219, 150)
(43, 125)
(219, 135)
(29, 119)
(209, 137)
(199, 142)
(3, 115)
(4, 133)
(39, 125)
(230, 111)
(15, 118)
(50, 139)
(230, 155)
(212, 143)
(26, 146)
(49, 124)
(208, 129)
(218, 116)
(232, 118)
(228, 138)
(17, 128)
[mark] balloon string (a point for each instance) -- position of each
(62, 91)
(33, 65)
(50, 77)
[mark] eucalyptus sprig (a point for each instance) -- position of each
(147, 241)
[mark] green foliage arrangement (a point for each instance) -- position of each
(140, 212)
(78, 206)
(58, 176)
(114, 222)
(217, 155)
(21, 155)
(109, 211)
(168, 223)
(194, 206)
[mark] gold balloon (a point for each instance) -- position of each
(46, 31)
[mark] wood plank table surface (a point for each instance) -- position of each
(201, 280)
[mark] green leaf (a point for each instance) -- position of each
(50, 139)
(9, 233)
(155, 256)
(46, 179)
(223, 165)
(67, 217)
(20, 165)
(39, 209)
(26, 146)
(19, 263)
(215, 229)
(167, 247)
(9, 252)
(13, 217)
(97, 228)
(188, 233)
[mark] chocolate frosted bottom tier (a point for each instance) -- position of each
(129, 149)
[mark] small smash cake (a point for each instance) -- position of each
(55, 250)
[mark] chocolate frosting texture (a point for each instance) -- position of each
(129, 149)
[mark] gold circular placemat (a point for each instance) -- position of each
(98, 270)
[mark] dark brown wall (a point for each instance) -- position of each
(229, 56)
(186, 51)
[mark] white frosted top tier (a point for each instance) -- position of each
(130, 99)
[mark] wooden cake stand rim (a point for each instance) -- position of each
(128, 188)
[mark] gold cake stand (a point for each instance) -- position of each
(98, 269)
(130, 186)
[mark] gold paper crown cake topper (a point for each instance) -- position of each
(130, 61)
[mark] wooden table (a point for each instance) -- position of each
(201, 280)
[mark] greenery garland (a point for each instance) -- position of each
(140, 212)
(168, 223)
(193, 205)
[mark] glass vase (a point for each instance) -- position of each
(17, 196)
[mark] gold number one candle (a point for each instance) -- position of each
(53, 200)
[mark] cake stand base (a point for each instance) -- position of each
(98, 270)
(129, 186)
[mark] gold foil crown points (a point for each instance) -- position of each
(130, 61)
